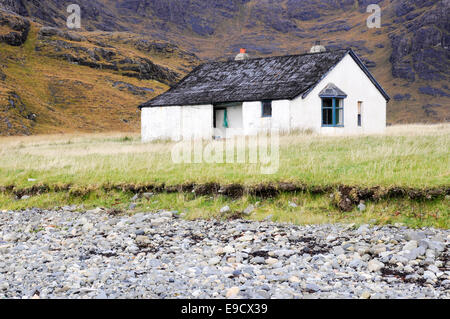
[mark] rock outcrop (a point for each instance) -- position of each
(422, 50)
(16, 27)
(15, 117)
(75, 48)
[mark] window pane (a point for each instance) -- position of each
(339, 116)
(327, 116)
(267, 108)
(359, 113)
(327, 102)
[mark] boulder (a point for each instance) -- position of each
(19, 27)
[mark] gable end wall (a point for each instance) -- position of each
(346, 75)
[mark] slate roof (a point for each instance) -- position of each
(331, 90)
(272, 78)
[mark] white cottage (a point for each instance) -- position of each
(329, 92)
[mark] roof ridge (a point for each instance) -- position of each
(274, 77)
(275, 56)
(244, 61)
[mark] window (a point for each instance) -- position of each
(332, 111)
(327, 111)
(266, 108)
(360, 113)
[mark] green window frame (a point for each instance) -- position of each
(332, 112)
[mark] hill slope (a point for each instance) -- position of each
(409, 54)
(58, 81)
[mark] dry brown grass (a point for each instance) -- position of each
(414, 155)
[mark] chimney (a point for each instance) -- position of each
(242, 55)
(317, 48)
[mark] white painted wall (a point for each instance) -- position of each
(254, 122)
(348, 76)
(197, 121)
(161, 123)
(175, 122)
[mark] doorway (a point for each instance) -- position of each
(227, 119)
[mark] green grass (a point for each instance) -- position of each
(405, 159)
(311, 209)
(411, 156)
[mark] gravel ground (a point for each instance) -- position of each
(71, 254)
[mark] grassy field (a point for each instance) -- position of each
(410, 156)
(414, 156)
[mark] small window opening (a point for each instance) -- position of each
(267, 109)
(360, 113)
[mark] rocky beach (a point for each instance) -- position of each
(68, 253)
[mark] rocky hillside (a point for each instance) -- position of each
(409, 54)
(53, 80)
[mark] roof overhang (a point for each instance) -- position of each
(303, 93)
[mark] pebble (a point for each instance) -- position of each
(312, 288)
(225, 209)
(411, 245)
(365, 295)
(361, 207)
(375, 265)
(214, 261)
(293, 205)
(71, 253)
(271, 261)
(232, 292)
(249, 210)
(147, 195)
(429, 275)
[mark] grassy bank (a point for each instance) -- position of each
(302, 208)
(406, 156)
(410, 156)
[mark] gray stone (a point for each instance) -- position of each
(225, 210)
(429, 275)
(214, 261)
(147, 195)
(312, 288)
(258, 260)
(237, 273)
(375, 265)
(414, 235)
(356, 263)
(411, 245)
(249, 210)
(129, 257)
